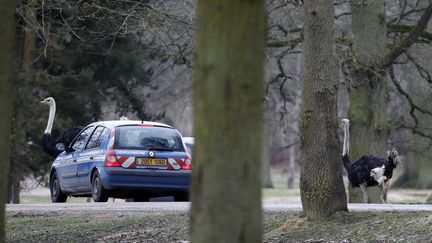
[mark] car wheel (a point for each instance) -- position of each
(99, 194)
(57, 195)
(181, 197)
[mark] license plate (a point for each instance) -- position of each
(151, 162)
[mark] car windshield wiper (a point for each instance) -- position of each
(159, 148)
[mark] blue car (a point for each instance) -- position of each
(123, 159)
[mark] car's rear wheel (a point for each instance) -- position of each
(57, 195)
(99, 193)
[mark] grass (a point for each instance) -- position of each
(357, 227)
(173, 227)
(111, 227)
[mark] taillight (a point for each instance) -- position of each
(187, 164)
(111, 159)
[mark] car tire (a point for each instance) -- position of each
(99, 193)
(181, 197)
(57, 195)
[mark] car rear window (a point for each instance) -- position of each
(148, 138)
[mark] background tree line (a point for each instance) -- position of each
(81, 53)
(75, 45)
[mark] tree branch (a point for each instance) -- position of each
(289, 43)
(274, 43)
(413, 35)
(421, 70)
(404, 28)
(413, 106)
(414, 130)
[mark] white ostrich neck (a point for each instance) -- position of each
(346, 140)
(52, 112)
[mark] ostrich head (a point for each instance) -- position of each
(48, 101)
(394, 155)
(345, 122)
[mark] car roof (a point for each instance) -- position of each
(116, 123)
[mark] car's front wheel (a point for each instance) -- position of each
(57, 195)
(99, 194)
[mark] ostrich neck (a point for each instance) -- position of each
(52, 112)
(345, 150)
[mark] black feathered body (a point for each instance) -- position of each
(49, 145)
(359, 171)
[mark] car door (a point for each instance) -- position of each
(88, 157)
(76, 148)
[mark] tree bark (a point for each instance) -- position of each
(228, 118)
(7, 33)
(321, 185)
(369, 95)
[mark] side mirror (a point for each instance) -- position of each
(60, 147)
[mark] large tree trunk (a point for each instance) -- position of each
(7, 40)
(228, 118)
(20, 118)
(321, 185)
(369, 98)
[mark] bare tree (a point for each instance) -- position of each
(321, 186)
(371, 61)
(7, 31)
(228, 120)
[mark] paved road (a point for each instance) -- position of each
(183, 207)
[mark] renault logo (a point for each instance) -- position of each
(151, 154)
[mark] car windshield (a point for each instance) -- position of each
(148, 138)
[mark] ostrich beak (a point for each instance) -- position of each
(45, 101)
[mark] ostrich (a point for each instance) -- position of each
(49, 145)
(369, 170)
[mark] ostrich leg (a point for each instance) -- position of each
(365, 193)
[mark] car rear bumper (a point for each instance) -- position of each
(140, 179)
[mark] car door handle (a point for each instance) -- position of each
(91, 157)
(74, 160)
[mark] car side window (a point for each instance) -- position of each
(81, 139)
(97, 138)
